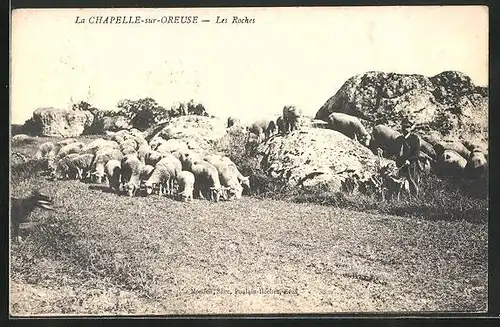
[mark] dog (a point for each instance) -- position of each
(22, 207)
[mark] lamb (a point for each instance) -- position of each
(83, 164)
(100, 160)
(70, 148)
(186, 185)
(131, 170)
(113, 174)
(350, 126)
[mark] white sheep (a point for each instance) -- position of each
(165, 174)
(185, 180)
(143, 151)
(65, 168)
(101, 158)
(131, 171)
(66, 142)
(152, 157)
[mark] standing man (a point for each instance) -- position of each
(408, 156)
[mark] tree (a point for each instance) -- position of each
(143, 113)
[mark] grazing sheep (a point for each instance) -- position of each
(66, 142)
(188, 158)
(99, 144)
(113, 174)
(83, 164)
(243, 180)
(129, 150)
(228, 176)
(70, 148)
(172, 145)
(207, 181)
(152, 157)
(477, 165)
(145, 173)
(441, 146)
(387, 139)
(350, 126)
(186, 181)
(100, 160)
(143, 151)
(65, 167)
(44, 149)
(291, 115)
(131, 170)
(450, 163)
(160, 178)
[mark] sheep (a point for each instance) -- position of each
(186, 181)
(172, 145)
(243, 180)
(350, 126)
(113, 172)
(131, 170)
(66, 142)
(387, 139)
(152, 157)
(428, 149)
(206, 180)
(143, 151)
(100, 160)
(271, 129)
(477, 165)
(456, 146)
(145, 173)
(259, 128)
(156, 142)
(83, 164)
(187, 158)
(450, 163)
(129, 150)
(98, 144)
(70, 148)
(280, 123)
(44, 150)
(65, 167)
(291, 116)
(164, 175)
(129, 143)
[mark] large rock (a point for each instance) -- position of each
(330, 154)
(61, 122)
(448, 102)
(198, 132)
(114, 123)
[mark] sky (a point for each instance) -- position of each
(298, 56)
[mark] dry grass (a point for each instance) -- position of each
(106, 254)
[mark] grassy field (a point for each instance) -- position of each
(100, 253)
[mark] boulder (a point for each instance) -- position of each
(197, 132)
(114, 123)
(314, 156)
(61, 122)
(448, 102)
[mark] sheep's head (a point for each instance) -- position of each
(216, 192)
(365, 140)
(234, 193)
(245, 182)
(149, 188)
(130, 188)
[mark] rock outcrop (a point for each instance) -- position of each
(114, 123)
(312, 156)
(198, 132)
(61, 122)
(448, 102)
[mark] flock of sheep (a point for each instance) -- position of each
(444, 157)
(131, 164)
